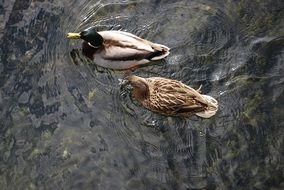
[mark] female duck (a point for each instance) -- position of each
(171, 97)
(118, 49)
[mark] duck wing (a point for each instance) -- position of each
(115, 53)
(125, 39)
(174, 97)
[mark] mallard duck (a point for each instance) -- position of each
(171, 97)
(118, 49)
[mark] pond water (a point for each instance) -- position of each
(67, 124)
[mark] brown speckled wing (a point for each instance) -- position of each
(171, 96)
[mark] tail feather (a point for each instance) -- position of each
(161, 51)
(211, 109)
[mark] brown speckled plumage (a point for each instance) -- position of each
(171, 97)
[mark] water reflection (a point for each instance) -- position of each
(68, 124)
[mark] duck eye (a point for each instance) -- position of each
(83, 33)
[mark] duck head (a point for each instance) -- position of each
(140, 86)
(90, 35)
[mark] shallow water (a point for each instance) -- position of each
(67, 124)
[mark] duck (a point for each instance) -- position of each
(171, 97)
(118, 50)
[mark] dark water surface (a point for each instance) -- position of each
(66, 124)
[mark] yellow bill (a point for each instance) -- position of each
(73, 36)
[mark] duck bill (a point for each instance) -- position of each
(73, 36)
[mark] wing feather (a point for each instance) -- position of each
(123, 53)
(173, 96)
(125, 39)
